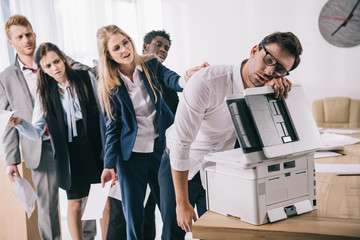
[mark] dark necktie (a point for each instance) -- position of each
(27, 68)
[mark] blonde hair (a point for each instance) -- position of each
(16, 20)
(108, 68)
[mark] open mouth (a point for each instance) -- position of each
(127, 56)
(263, 79)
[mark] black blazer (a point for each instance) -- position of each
(59, 135)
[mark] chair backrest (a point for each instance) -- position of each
(337, 112)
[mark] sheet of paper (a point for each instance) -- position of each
(4, 119)
(339, 131)
(25, 194)
(337, 168)
(324, 154)
(96, 201)
(115, 191)
(335, 141)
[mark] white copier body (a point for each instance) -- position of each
(271, 177)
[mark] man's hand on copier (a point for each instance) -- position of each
(281, 86)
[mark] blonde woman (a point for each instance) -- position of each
(136, 118)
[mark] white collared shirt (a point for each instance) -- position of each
(37, 128)
(202, 122)
(30, 78)
(31, 81)
(71, 108)
(146, 117)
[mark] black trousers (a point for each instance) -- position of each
(117, 223)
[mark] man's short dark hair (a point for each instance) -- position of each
(288, 41)
(154, 33)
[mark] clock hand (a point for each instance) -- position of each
(352, 11)
(340, 19)
(348, 18)
(342, 25)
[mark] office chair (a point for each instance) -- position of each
(337, 112)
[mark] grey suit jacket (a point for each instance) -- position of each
(15, 96)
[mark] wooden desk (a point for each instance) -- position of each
(337, 215)
(14, 223)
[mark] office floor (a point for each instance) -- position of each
(65, 230)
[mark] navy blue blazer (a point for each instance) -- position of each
(121, 132)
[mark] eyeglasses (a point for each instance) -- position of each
(270, 60)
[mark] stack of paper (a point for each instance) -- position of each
(335, 142)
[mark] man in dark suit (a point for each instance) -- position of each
(158, 43)
(18, 85)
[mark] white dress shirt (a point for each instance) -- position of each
(202, 122)
(31, 81)
(31, 78)
(146, 117)
(37, 128)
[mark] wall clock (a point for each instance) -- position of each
(339, 22)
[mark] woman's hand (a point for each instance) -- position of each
(107, 175)
(14, 121)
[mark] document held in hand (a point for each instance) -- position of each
(96, 201)
(25, 194)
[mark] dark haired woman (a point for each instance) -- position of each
(66, 104)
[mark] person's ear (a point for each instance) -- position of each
(145, 48)
(10, 42)
(254, 50)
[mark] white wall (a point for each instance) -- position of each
(4, 60)
(223, 32)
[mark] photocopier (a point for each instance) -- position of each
(271, 176)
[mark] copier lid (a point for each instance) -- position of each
(278, 127)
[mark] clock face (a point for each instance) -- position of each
(339, 22)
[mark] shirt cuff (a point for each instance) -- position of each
(20, 127)
(110, 166)
(182, 82)
(180, 165)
